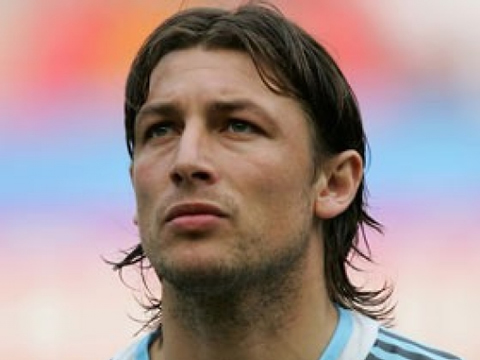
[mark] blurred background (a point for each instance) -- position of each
(66, 200)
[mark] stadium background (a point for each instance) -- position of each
(66, 200)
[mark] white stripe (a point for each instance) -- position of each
(409, 347)
(364, 334)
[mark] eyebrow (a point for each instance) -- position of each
(233, 105)
(228, 106)
(173, 109)
(166, 109)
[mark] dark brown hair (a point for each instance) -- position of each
(293, 64)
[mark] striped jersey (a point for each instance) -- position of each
(356, 337)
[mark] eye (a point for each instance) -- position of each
(160, 129)
(240, 126)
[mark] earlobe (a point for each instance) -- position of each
(130, 171)
(338, 184)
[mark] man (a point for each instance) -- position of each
(248, 152)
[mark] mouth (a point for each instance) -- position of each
(193, 209)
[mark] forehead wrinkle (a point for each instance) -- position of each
(178, 60)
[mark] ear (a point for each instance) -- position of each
(338, 184)
(130, 171)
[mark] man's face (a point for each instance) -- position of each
(222, 169)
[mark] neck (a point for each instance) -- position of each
(288, 318)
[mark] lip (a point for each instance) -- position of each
(193, 209)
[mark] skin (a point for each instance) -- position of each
(222, 173)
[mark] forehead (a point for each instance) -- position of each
(227, 70)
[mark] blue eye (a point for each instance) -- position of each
(158, 130)
(239, 126)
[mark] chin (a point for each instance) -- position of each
(200, 277)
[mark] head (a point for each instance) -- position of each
(291, 64)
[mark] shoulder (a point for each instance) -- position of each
(390, 345)
(370, 341)
(138, 350)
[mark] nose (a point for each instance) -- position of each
(193, 163)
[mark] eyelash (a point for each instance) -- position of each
(167, 126)
(150, 132)
(251, 127)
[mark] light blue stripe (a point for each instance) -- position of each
(383, 355)
(409, 347)
(340, 337)
(141, 352)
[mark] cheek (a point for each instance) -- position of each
(147, 184)
(277, 192)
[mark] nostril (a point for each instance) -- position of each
(176, 178)
(201, 175)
